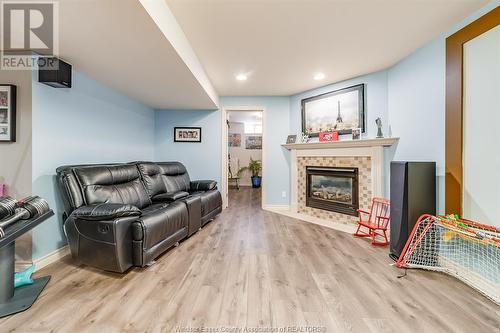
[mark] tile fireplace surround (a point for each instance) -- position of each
(366, 155)
(363, 163)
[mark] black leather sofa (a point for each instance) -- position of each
(123, 215)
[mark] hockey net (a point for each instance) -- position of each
(464, 249)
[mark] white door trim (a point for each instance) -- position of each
(224, 145)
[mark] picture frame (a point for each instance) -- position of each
(339, 110)
(253, 142)
(356, 133)
(234, 140)
(187, 134)
(8, 103)
(291, 139)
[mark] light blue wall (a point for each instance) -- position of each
(203, 160)
(88, 123)
(416, 108)
(416, 100)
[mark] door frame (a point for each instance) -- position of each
(454, 107)
(225, 149)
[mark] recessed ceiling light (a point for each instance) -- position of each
(319, 76)
(241, 77)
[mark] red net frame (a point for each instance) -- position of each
(465, 249)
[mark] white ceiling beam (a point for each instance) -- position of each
(168, 25)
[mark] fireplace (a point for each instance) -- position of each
(332, 188)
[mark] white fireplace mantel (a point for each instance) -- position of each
(373, 148)
(382, 142)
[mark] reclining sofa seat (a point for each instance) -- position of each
(165, 181)
(112, 220)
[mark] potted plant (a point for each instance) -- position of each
(255, 167)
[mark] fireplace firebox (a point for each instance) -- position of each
(333, 189)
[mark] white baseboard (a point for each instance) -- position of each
(51, 258)
(276, 207)
(348, 228)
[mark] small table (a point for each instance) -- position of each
(19, 299)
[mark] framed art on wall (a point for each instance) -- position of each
(234, 140)
(7, 113)
(340, 110)
(187, 134)
(253, 142)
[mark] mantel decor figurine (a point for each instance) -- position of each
(378, 121)
(305, 138)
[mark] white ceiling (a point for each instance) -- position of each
(117, 43)
(281, 44)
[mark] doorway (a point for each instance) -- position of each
(243, 153)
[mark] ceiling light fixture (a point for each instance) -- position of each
(241, 77)
(319, 76)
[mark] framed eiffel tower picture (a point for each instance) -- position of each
(340, 110)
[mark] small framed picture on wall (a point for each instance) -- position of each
(253, 142)
(187, 134)
(234, 140)
(7, 113)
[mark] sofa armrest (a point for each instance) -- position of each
(203, 185)
(169, 196)
(105, 211)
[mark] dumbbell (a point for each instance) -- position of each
(25, 209)
(7, 207)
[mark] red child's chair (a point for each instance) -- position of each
(376, 222)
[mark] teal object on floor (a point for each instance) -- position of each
(24, 278)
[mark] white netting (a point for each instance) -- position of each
(464, 249)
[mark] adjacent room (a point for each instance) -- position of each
(244, 157)
(249, 166)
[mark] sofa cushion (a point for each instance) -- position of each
(112, 184)
(158, 222)
(164, 177)
(175, 176)
(152, 178)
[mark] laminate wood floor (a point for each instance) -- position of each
(255, 269)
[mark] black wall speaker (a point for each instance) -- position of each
(413, 193)
(54, 72)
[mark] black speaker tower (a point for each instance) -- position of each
(413, 193)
